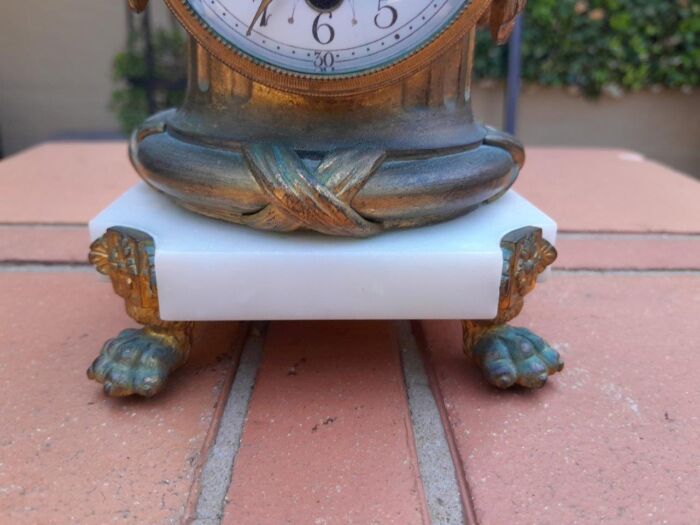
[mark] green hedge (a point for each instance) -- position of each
(587, 45)
(129, 99)
(598, 45)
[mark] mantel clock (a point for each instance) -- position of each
(343, 117)
(347, 117)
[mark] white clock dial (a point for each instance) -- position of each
(327, 37)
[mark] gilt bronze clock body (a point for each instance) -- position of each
(346, 117)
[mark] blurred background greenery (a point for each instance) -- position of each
(619, 74)
(596, 45)
(586, 46)
(146, 84)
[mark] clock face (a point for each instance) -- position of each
(327, 38)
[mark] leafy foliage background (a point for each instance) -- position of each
(588, 46)
(132, 78)
(597, 45)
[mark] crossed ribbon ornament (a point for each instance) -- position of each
(302, 198)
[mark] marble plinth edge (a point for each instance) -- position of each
(210, 270)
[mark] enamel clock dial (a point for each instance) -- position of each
(326, 38)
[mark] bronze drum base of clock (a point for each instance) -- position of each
(355, 192)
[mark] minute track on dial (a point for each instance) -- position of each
(281, 50)
(328, 38)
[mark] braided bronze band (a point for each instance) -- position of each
(352, 192)
(316, 200)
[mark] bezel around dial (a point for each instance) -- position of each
(326, 85)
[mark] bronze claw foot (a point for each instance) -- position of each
(509, 356)
(138, 361)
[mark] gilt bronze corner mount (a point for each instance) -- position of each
(506, 354)
(137, 361)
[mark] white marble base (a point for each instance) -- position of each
(212, 270)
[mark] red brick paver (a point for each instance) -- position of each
(637, 252)
(609, 190)
(328, 438)
(63, 182)
(616, 437)
(68, 454)
(583, 189)
(43, 244)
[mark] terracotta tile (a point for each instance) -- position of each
(67, 453)
(328, 437)
(616, 437)
(609, 190)
(63, 182)
(584, 189)
(628, 252)
(66, 244)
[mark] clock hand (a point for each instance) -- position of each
(138, 5)
(261, 10)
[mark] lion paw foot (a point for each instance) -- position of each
(135, 362)
(510, 356)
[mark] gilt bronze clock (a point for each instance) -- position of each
(347, 117)
(342, 117)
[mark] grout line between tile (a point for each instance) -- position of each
(44, 266)
(627, 234)
(67, 266)
(626, 271)
(49, 225)
(567, 234)
(437, 469)
(465, 489)
(217, 472)
(196, 486)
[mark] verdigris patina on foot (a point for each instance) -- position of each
(137, 361)
(140, 361)
(509, 355)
